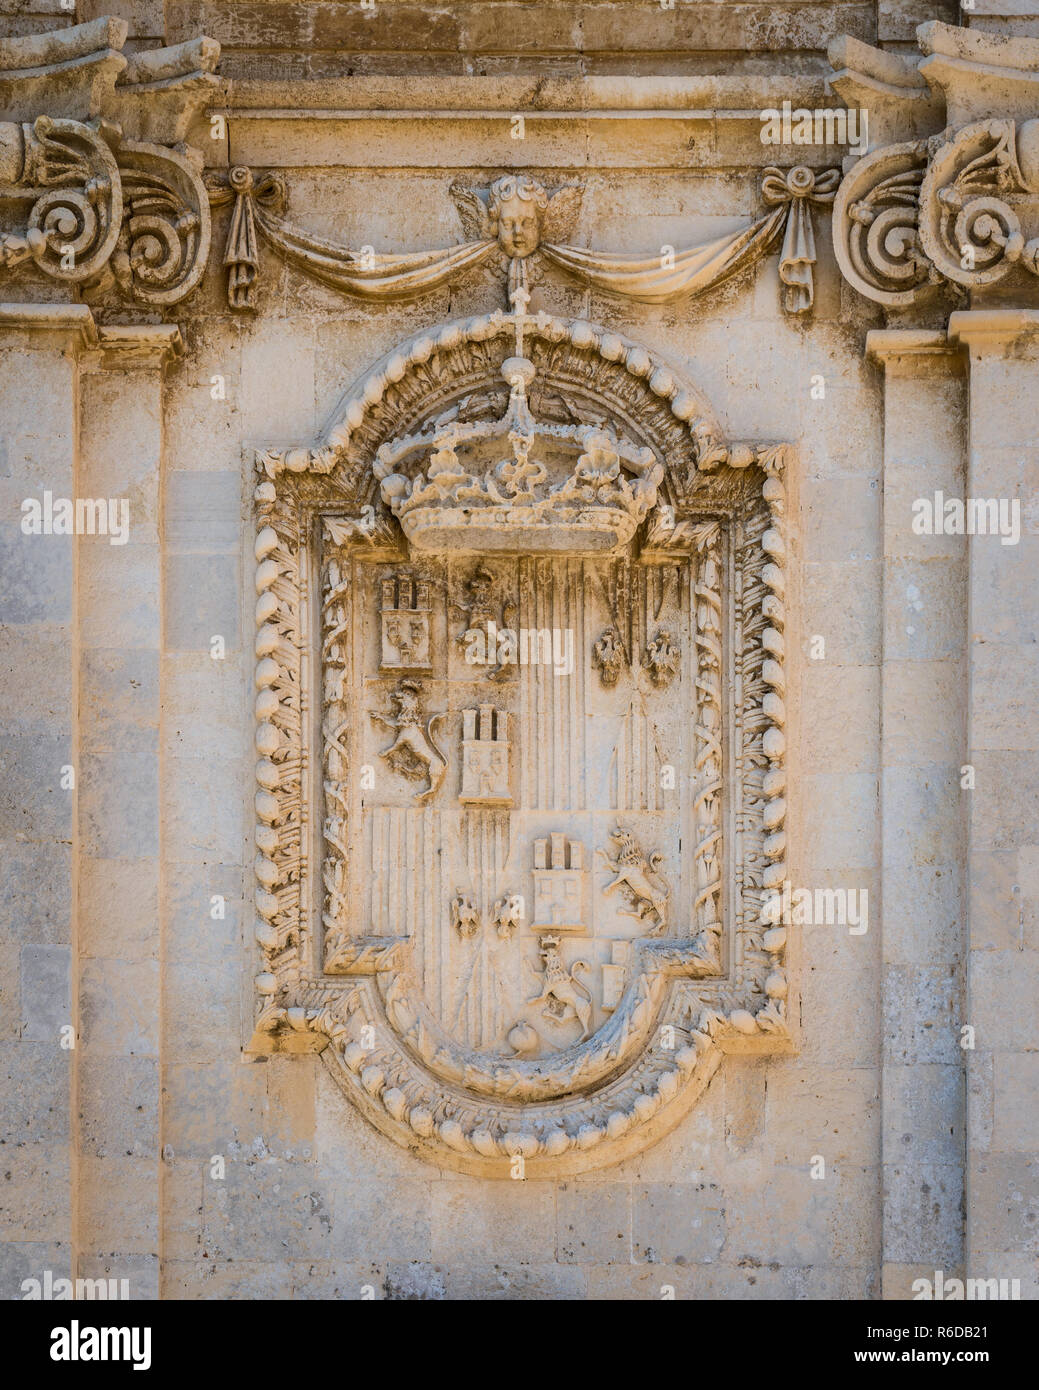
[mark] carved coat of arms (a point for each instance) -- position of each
(521, 726)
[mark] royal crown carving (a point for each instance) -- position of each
(517, 483)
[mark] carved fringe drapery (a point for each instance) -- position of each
(656, 279)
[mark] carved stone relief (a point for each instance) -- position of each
(502, 894)
(81, 200)
(958, 208)
(517, 220)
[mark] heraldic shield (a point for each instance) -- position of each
(520, 736)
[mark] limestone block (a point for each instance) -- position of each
(21, 1260)
(932, 803)
(840, 713)
(922, 1013)
(118, 802)
(1005, 799)
(832, 992)
(34, 1107)
(35, 1201)
(283, 355)
(221, 1279)
(119, 696)
(218, 1107)
(119, 1107)
(506, 1282)
(203, 510)
(676, 1223)
(35, 575)
(1004, 1209)
(923, 1213)
(1004, 901)
(923, 713)
(321, 1280)
(1004, 678)
(841, 517)
(203, 811)
(119, 593)
(118, 908)
(198, 685)
(271, 1204)
(924, 1111)
(35, 672)
(923, 606)
(43, 917)
(823, 1110)
(130, 1225)
(141, 1272)
(923, 909)
(830, 1220)
(204, 913)
(119, 1007)
(517, 1221)
(853, 591)
(44, 993)
(1016, 1126)
(205, 1007)
(1002, 983)
(845, 835)
(593, 1223)
(1004, 608)
(33, 803)
(203, 601)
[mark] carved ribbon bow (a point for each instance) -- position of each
(242, 251)
(798, 187)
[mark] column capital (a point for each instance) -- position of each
(139, 345)
(68, 326)
(992, 331)
(913, 351)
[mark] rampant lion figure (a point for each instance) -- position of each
(562, 986)
(644, 885)
(413, 753)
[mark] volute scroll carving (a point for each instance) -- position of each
(527, 933)
(96, 188)
(958, 208)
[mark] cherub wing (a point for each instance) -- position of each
(560, 221)
(472, 212)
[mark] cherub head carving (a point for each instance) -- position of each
(516, 212)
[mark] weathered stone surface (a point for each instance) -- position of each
(350, 949)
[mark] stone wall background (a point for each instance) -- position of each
(315, 1203)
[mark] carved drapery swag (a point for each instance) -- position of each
(495, 888)
(492, 219)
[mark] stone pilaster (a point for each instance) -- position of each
(40, 349)
(120, 959)
(922, 742)
(1002, 1168)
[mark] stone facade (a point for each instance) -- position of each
(518, 626)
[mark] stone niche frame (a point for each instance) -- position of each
(721, 987)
